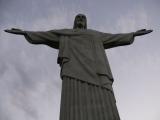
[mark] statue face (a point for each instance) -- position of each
(80, 22)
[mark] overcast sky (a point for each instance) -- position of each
(30, 86)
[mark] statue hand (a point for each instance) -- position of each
(142, 32)
(15, 31)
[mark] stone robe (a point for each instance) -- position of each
(82, 52)
(87, 79)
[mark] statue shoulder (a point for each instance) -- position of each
(62, 31)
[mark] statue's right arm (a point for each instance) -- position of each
(38, 37)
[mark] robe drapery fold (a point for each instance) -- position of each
(85, 101)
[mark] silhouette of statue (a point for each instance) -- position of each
(87, 92)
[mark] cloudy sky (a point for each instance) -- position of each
(30, 86)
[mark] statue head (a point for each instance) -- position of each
(80, 22)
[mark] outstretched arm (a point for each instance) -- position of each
(49, 38)
(114, 40)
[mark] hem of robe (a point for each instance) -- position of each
(83, 101)
(107, 85)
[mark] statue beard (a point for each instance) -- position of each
(80, 24)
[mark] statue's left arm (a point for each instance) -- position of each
(114, 40)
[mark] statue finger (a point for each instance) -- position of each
(13, 31)
(149, 31)
(142, 30)
(16, 29)
(9, 31)
(146, 32)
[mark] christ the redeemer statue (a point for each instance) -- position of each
(87, 92)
